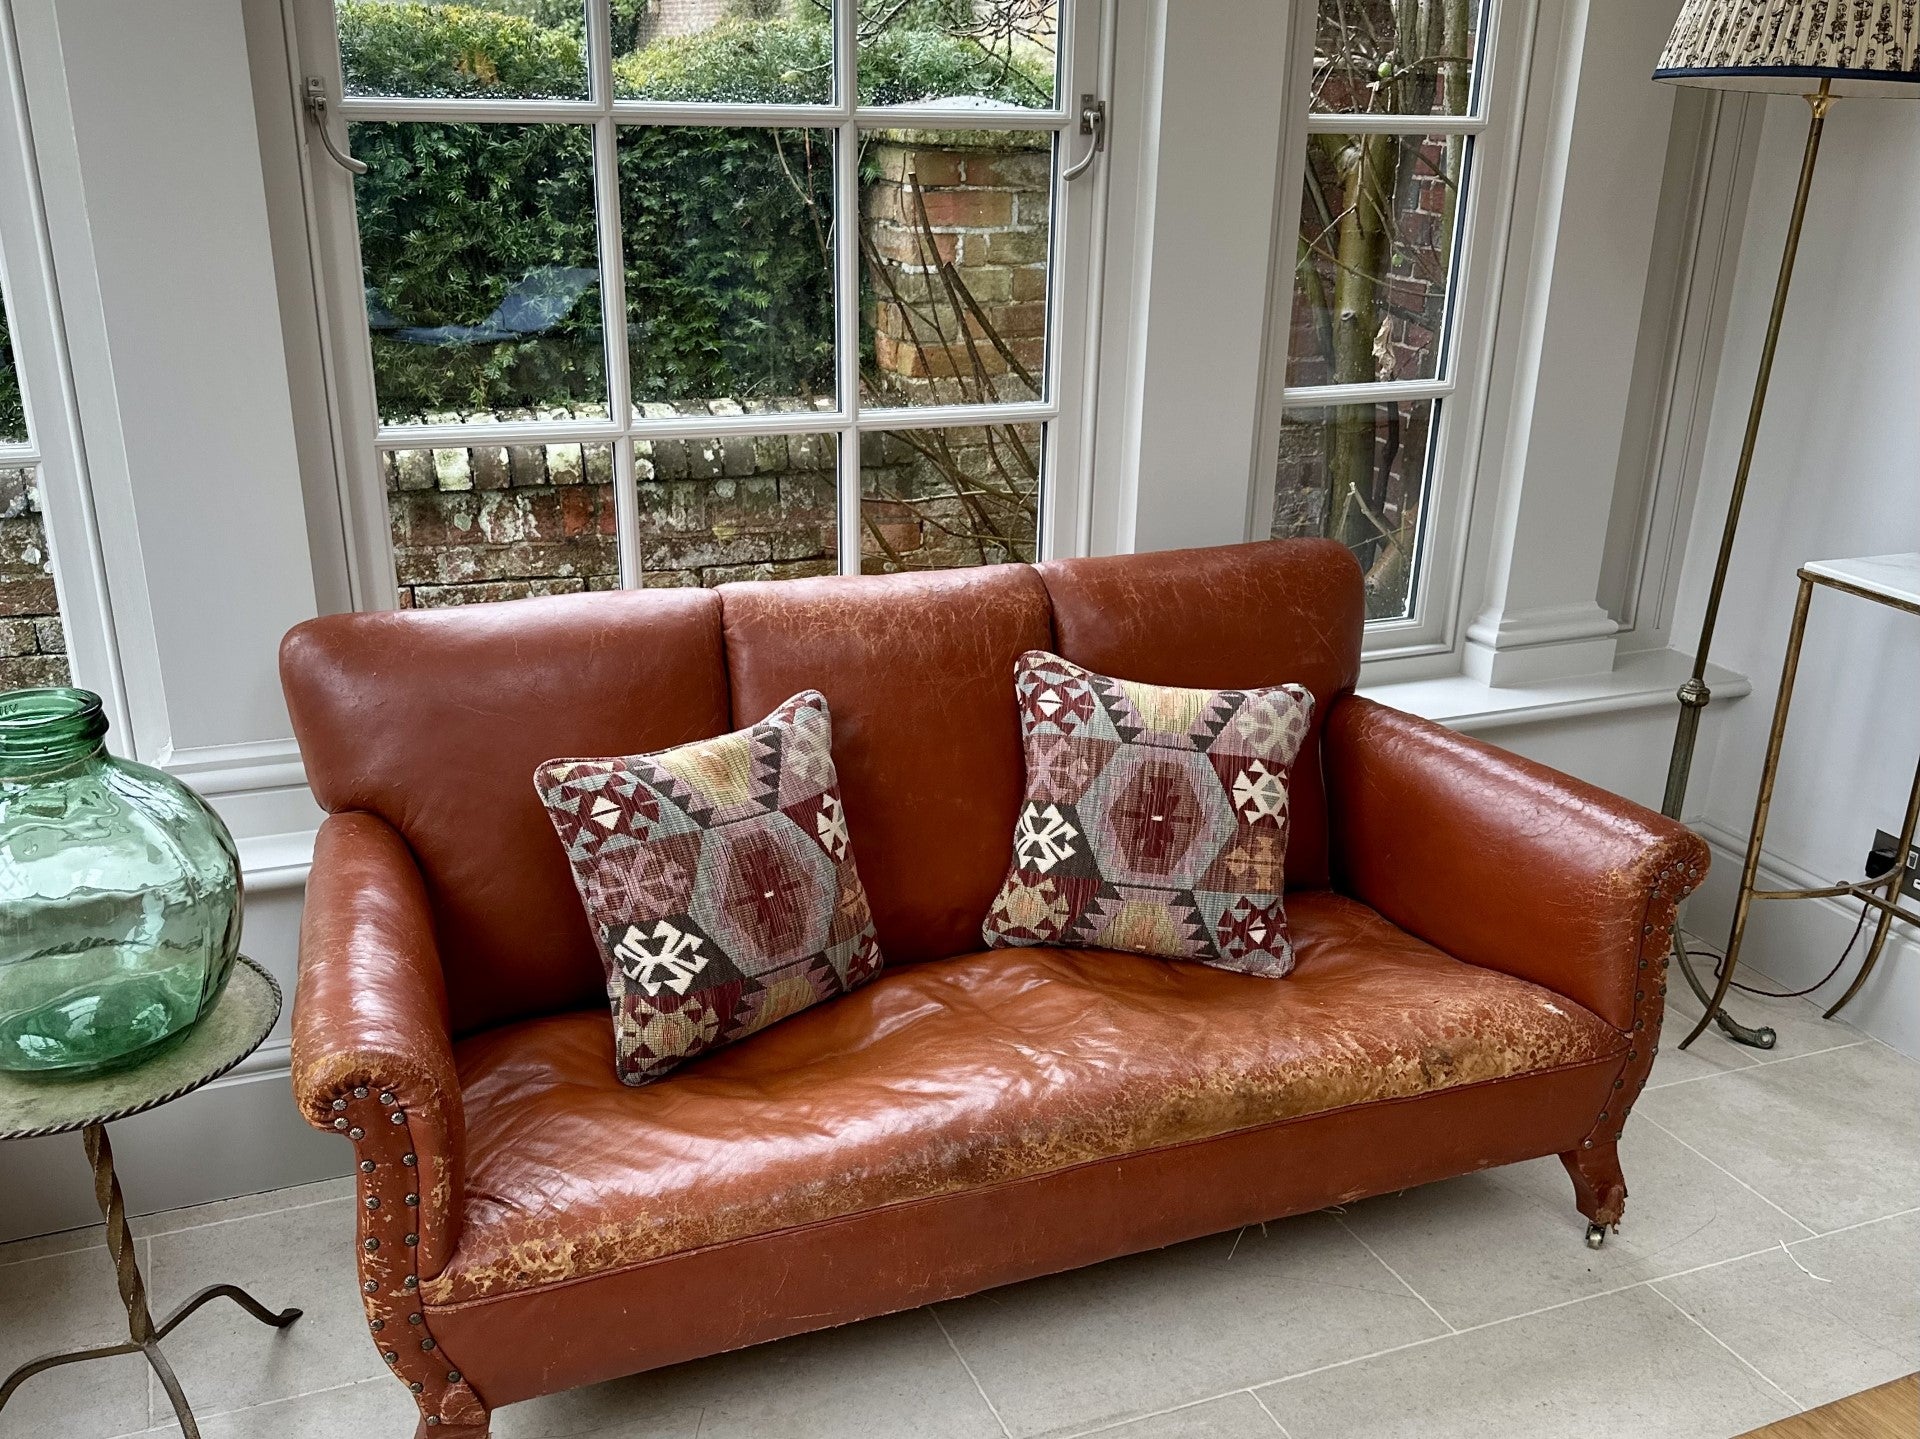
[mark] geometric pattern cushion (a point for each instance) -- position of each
(719, 881)
(1155, 818)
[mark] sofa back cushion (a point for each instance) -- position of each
(918, 671)
(435, 719)
(1228, 617)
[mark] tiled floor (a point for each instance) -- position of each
(1770, 1262)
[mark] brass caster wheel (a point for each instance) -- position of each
(1596, 1235)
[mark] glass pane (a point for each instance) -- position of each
(33, 647)
(482, 279)
(954, 236)
(1359, 474)
(991, 53)
(1395, 57)
(499, 50)
(747, 507)
(729, 258)
(1377, 226)
(943, 499)
(744, 52)
(501, 522)
(13, 415)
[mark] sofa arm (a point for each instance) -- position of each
(1505, 863)
(372, 1050)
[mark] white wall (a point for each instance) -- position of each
(1837, 474)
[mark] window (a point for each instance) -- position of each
(33, 644)
(671, 292)
(1373, 432)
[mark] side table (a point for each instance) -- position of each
(29, 1108)
(1890, 580)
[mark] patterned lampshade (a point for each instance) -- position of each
(1863, 47)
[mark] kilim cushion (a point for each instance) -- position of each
(1155, 818)
(719, 881)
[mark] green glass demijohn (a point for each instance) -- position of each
(119, 894)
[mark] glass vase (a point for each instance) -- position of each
(119, 894)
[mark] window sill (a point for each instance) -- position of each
(1643, 680)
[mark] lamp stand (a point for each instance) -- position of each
(1694, 695)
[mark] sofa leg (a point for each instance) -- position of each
(1599, 1188)
(452, 1431)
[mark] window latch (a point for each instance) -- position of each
(315, 105)
(1093, 121)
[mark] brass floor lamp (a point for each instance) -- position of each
(1824, 50)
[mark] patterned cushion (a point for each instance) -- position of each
(1155, 819)
(719, 881)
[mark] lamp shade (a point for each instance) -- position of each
(1861, 47)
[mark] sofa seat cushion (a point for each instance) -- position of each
(977, 1070)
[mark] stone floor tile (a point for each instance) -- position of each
(1149, 1332)
(892, 1376)
(1838, 1315)
(1628, 1364)
(372, 1409)
(1235, 1416)
(1509, 1241)
(221, 1211)
(66, 1301)
(301, 1258)
(1828, 1137)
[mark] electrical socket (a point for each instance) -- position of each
(1884, 845)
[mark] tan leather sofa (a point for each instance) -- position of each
(1481, 970)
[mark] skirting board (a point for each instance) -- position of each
(1791, 943)
(239, 1135)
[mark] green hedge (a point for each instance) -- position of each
(728, 280)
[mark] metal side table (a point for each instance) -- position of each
(29, 1108)
(1891, 580)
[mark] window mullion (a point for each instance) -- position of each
(846, 279)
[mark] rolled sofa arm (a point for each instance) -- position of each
(372, 1050)
(1506, 863)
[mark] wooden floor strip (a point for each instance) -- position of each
(1890, 1412)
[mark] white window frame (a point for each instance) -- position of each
(1435, 625)
(53, 448)
(361, 439)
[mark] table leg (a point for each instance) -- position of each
(143, 1336)
(1750, 870)
(1885, 926)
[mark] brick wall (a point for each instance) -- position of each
(33, 646)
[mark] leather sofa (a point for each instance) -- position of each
(1481, 972)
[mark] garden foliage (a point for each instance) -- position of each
(728, 269)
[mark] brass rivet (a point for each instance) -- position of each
(338, 1105)
(416, 1386)
(1633, 1054)
(1603, 1114)
(407, 1159)
(391, 1357)
(1639, 1024)
(399, 1116)
(373, 1201)
(415, 1318)
(356, 1133)
(1586, 1144)
(372, 1244)
(1618, 1083)
(412, 1200)
(1639, 994)
(386, 1098)
(410, 1282)
(1643, 964)
(372, 1286)
(453, 1376)
(432, 1420)
(339, 1124)
(366, 1166)
(412, 1239)
(377, 1325)
(360, 1091)
(426, 1345)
